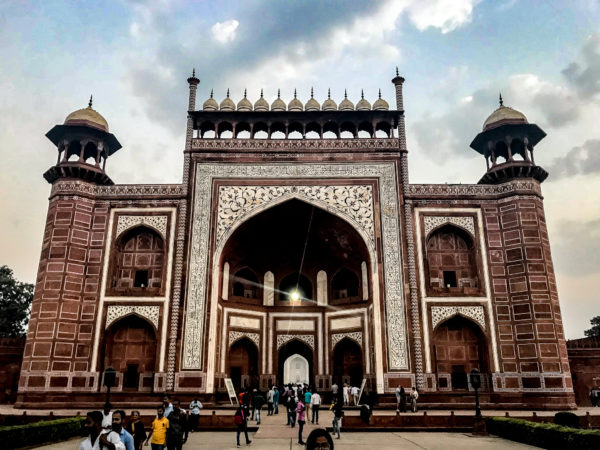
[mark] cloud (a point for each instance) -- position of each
(446, 15)
(284, 43)
(585, 77)
(581, 160)
(224, 32)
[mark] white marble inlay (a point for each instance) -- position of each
(355, 336)
(159, 223)
(285, 338)
(348, 322)
(295, 325)
(237, 335)
(465, 222)
(441, 313)
(244, 322)
(116, 312)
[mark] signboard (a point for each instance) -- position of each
(362, 387)
(231, 391)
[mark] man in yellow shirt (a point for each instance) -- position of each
(158, 435)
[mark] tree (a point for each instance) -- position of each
(15, 304)
(595, 330)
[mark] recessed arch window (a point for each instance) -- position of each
(344, 284)
(295, 282)
(452, 262)
(138, 263)
(245, 284)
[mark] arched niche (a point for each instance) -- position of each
(345, 286)
(459, 346)
(138, 263)
(347, 362)
(292, 283)
(242, 363)
(295, 348)
(130, 347)
(245, 283)
(452, 262)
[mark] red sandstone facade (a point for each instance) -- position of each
(180, 286)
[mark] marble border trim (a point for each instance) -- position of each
(225, 326)
(116, 312)
(394, 307)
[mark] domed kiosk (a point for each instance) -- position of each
(84, 143)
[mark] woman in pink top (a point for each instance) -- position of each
(301, 410)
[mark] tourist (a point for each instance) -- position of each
(135, 427)
(117, 426)
(346, 394)
(402, 399)
(334, 389)
(177, 433)
(397, 392)
(365, 413)
(257, 401)
(158, 434)
(195, 407)
(107, 416)
(97, 436)
(240, 420)
(301, 410)
(414, 395)
(354, 392)
(275, 400)
(167, 406)
(338, 413)
(315, 404)
(270, 395)
(307, 399)
(319, 439)
(291, 409)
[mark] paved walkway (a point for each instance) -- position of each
(274, 434)
(350, 441)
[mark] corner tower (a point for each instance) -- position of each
(507, 140)
(84, 143)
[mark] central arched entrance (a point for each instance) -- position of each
(459, 346)
(347, 362)
(296, 370)
(243, 364)
(295, 362)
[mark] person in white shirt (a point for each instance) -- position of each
(98, 438)
(315, 404)
(195, 408)
(414, 395)
(355, 395)
(346, 395)
(107, 416)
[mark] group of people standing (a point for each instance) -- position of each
(107, 429)
(402, 397)
(298, 400)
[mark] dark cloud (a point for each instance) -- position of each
(585, 77)
(576, 248)
(581, 160)
(265, 29)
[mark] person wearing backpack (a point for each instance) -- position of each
(240, 419)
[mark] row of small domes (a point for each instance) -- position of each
(295, 105)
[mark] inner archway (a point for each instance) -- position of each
(243, 364)
(296, 370)
(459, 346)
(295, 353)
(347, 362)
(130, 348)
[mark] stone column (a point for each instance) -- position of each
(322, 288)
(225, 286)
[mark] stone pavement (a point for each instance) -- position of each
(348, 441)
(274, 434)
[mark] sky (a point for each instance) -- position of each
(456, 55)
